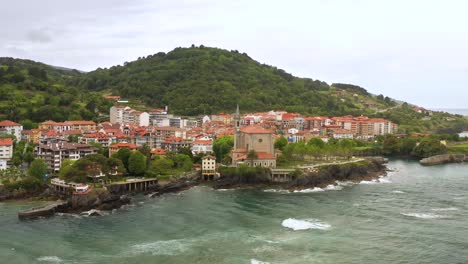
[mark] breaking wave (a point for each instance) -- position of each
(254, 261)
(162, 247)
(49, 259)
(445, 209)
(424, 216)
(298, 224)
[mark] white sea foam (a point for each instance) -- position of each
(68, 215)
(424, 215)
(311, 190)
(332, 187)
(445, 209)
(162, 247)
(369, 182)
(277, 190)
(254, 261)
(397, 191)
(49, 259)
(344, 183)
(384, 180)
(298, 224)
(224, 190)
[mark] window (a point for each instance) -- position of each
(260, 140)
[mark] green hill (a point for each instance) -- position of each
(192, 81)
(201, 80)
(33, 92)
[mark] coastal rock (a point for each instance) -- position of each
(444, 158)
(102, 200)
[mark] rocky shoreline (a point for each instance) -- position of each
(443, 159)
(99, 200)
(106, 200)
(370, 169)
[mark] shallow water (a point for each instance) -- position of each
(415, 215)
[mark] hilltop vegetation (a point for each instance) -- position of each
(193, 81)
(32, 92)
(202, 80)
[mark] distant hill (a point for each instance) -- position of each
(193, 81)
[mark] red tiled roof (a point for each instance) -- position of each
(158, 151)
(80, 122)
(255, 130)
(203, 142)
(8, 123)
(124, 145)
(6, 141)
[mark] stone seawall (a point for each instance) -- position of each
(442, 159)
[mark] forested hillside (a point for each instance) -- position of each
(193, 81)
(32, 92)
(201, 80)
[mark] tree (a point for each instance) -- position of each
(186, 151)
(222, 146)
(137, 163)
(161, 166)
(123, 154)
(28, 157)
(391, 146)
(280, 143)
(407, 145)
(316, 142)
(429, 147)
(182, 161)
(38, 169)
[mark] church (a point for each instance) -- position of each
(256, 138)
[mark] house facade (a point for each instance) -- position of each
(11, 128)
(6, 152)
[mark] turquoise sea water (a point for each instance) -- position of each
(414, 215)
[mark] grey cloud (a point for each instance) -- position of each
(39, 35)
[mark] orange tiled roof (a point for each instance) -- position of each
(124, 145)
(6, 123)
(255, 130)
(158, 151)
(6, 142)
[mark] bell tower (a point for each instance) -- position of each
(237, 123)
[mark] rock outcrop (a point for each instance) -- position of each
(442, 159)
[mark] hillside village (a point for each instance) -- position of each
(163, 132)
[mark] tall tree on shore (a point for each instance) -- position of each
(137, 164)
(38, 169)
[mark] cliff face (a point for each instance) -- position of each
(101, 200)
(329, 174)
(442, 159)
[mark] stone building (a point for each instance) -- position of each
(253, 145)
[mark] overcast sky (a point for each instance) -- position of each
(415, 51)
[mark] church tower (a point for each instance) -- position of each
(237, 122)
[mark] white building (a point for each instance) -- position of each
(6, 152)
(116, 113)
(12, 128)
(204, 146)
(208, 167)
(342, 134)
(54, 154)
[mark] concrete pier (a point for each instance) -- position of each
(132, 186)
(45, 211)
(282, 175)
